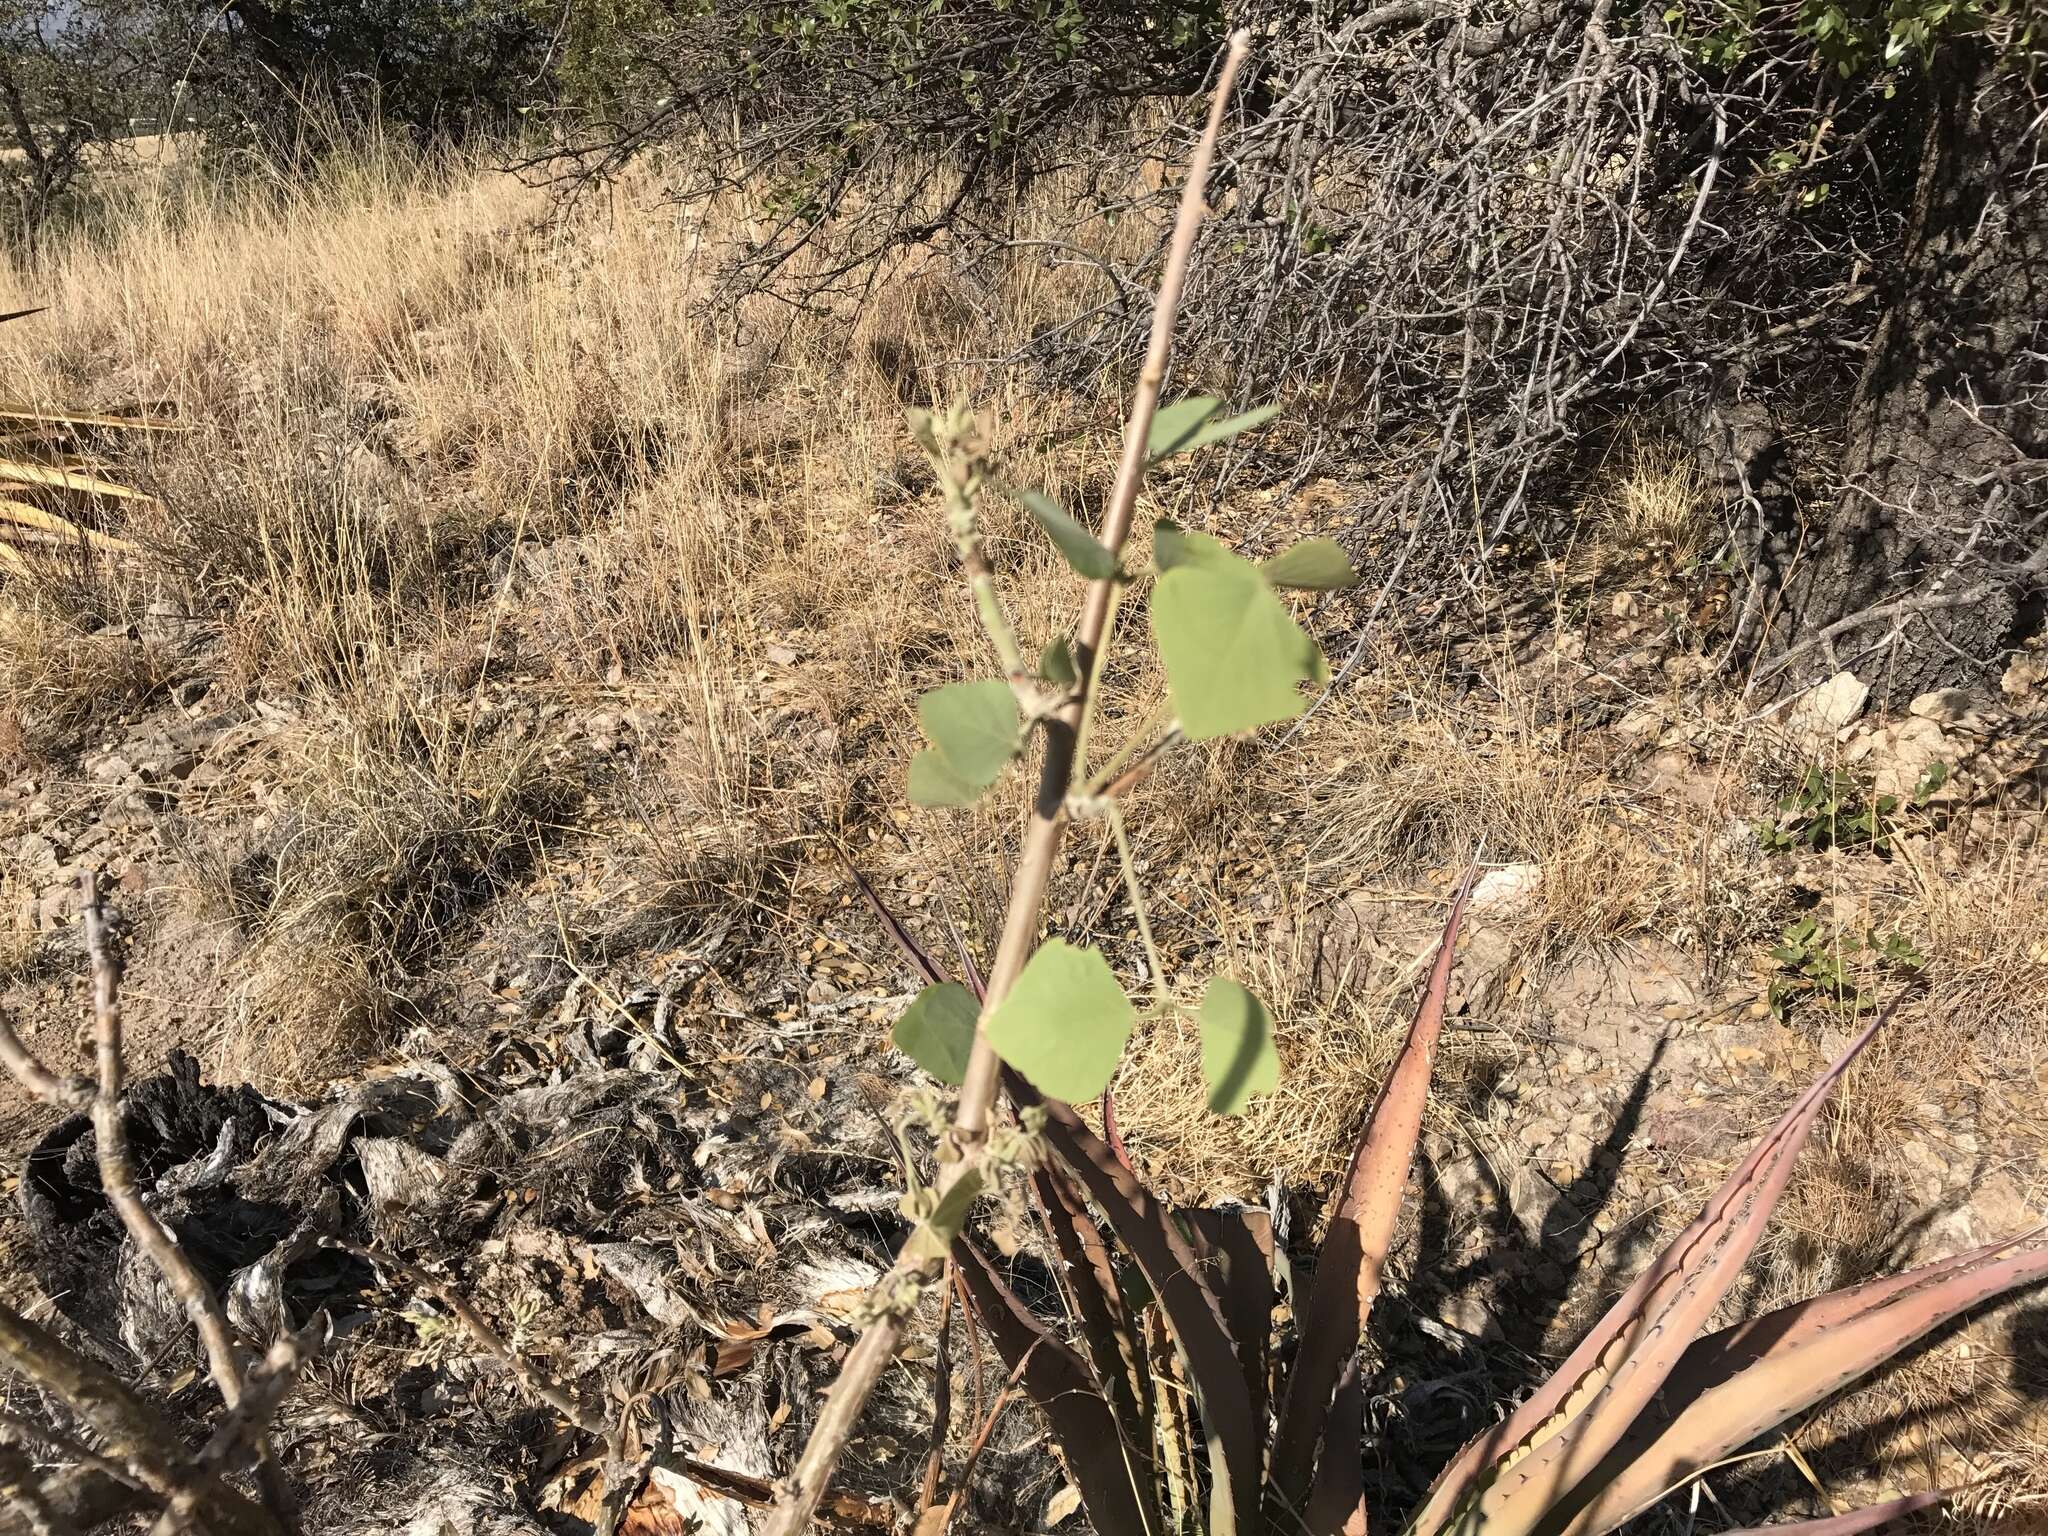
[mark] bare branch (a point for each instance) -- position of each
(117, 1166)
(21, 1488)
(137, 1435)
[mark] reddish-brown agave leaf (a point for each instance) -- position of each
(1174, 1271)
(1237, 1256)
(1089, 1277)
(1336, 1501)
(1510, 1476)
(968, 969)
(1347, 1276)
(902, 937)
(1854, 1523)
(1732, 1386)
(1058, 1380)
(1110, 1133)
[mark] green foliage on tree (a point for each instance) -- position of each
(1849, 37)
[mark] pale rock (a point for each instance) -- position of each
(111, 769)
(35, 859)
(2025, 673)
(1507, 888)
(1626, 605)
(1901, 754)
(1960, 708)
(1645, 722)
(1481, 976)
(1825, 710)
(1470, 1316)
(54, 907)
(1686, 733)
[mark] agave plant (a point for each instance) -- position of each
(1163, 1300)
(38, 459)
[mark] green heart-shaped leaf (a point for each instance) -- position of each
(1173, 545)
(1064, 1023)
(1192, 423)
(1056, 664)
(1174, 426)
(974, 731)
(932, 783)
(1234, 655)
(937, 1030)
(1319, 565)
(1238, 1059)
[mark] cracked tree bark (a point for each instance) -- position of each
(1936, 489)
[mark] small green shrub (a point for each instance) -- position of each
(1817, 963)
(1833, 809)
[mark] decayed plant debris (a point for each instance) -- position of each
(562, 1284)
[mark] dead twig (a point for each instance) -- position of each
(936, 1517)
(117, 1166)
(139, 1437)
(20, 1487)
(147, 1446)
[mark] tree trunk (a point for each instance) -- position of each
(1923, 573)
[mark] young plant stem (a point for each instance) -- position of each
(1137, 894)
(982, 582)
(877, 1345)
(1092, 660)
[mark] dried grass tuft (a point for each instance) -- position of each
(1404, 779)
(62, 683)
(1654, 509)
(395, 826)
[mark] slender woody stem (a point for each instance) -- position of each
(1136, 892)
(865, 1363)
(117, 1166)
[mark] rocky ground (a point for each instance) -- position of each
(662, 1148)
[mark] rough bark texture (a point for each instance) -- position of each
(1946, 411)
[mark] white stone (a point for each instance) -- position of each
(1506, 888)
(1904, 752)
(1960, 708)
(2023, 675)
(1831, 706)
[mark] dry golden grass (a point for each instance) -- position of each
(454, 462)
(62, 675)
(436, 435)
(1652, 506)
(20, 944)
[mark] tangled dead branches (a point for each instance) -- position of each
(1467, 239)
